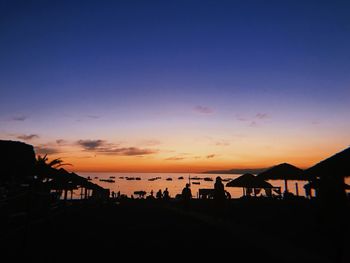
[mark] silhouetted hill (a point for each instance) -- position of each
(17, 160)
(237, 171)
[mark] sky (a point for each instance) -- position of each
(176, 86)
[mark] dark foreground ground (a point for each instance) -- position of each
(238, 231)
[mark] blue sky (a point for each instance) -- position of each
(101, 69)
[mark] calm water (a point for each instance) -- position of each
(175, 186)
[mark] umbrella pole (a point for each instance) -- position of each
(285, 185)
(296, 189)
(65, 194)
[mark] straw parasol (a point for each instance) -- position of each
(336, 165)
(283, 171)
(330, 174)
(249, 181)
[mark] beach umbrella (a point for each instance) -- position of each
(140, 193)
(337, 165)
(249, 181)
(284, 171)
(330, 174)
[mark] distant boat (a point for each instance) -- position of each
(88, 178)
(121, 177)
(196, 183)
(107, 180)
(208, 179)
(196, 178)
(96, 177)
(112, 177)
(226, 180)
(169, 179)
(130, 178)
(138, 178)
(154, 178)
(181, 178)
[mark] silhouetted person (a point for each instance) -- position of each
(249, 192)
(219, 191)
(307, 191)
(159, 194)
(166, 194)
(151, 196)
(186, 193)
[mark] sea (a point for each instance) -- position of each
(174, 182)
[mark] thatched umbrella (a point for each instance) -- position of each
(62, 180)
(336, 165)
(85, 183)
(284, 171)
(249, 181)
(141, 194)
(331, 173)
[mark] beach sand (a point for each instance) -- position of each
(242, 231)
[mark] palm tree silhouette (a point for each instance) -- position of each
(44, 167)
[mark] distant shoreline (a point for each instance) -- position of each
(232, 171)
(236, 171)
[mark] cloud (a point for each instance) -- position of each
(61, 141)
(42, 150)
(101, 146)
(240, 118)
(262, 116)
(253, 124)
(130, 151)
(27, 137)
(93, 116)
(91, 145)
(203, 109)
(255, 120)
(150, 142)
(174, 158)
(19, 118)
(222, 143)
(210, 156)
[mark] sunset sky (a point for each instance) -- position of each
(176, 86)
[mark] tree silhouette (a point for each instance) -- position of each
(44, 167)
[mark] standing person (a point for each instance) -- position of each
(219, 191)
(166, 194)
(186, 193)
(159, 194)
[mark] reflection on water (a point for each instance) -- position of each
(155, 181)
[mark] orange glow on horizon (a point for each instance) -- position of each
(152, 164)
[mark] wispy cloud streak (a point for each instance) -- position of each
(103, 147)
(27, 137)
(203, 109)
